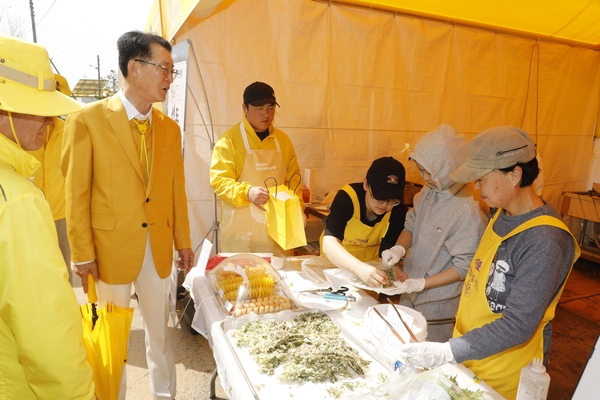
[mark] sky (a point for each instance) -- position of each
(76, 32)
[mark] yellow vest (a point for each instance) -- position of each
(361, 240)
(501, 370)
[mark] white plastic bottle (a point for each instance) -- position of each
(534, 381)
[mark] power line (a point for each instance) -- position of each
(44, 16)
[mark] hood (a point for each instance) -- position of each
(440, 152)
(23, 162)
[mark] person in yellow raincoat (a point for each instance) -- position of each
(243, 158)
(365, 219)
(41, 350)
(518, 271)
(49, 177)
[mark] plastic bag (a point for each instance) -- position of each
(407, 384)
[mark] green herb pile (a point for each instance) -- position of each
(391, 277)
(309, 347)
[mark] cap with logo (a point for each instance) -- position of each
(494, 148)
(27, 83)
(386, 177)
(258, 94)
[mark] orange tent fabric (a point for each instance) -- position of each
(357, 83)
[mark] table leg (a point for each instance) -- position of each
(213, 378)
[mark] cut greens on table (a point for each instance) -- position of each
(308, 347)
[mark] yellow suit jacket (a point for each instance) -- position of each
(109, 209)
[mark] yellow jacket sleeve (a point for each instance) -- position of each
(226, 166)
(229, 156)
(78, 183)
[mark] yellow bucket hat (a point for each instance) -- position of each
(27, 83)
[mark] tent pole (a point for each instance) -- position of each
(210, 133)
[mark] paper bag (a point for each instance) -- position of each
(284, 218)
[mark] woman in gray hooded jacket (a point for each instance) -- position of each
(442, 232)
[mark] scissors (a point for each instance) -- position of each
(341, 291)
(339, 294)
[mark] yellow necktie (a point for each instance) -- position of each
(143, 128)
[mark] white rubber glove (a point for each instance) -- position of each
(411, 285)
(428, 354)
(393, 255)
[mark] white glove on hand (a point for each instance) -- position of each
(411, 285)
(393, 255)
(428, 354)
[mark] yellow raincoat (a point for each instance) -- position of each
(41, 350)
(49, 176)
(229, 156)
(231, 181)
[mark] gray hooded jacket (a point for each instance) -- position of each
(446, 223)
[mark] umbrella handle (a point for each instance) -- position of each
(91, 293)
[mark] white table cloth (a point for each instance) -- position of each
(208, 320)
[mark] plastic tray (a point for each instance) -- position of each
(270, 387)
(248, 284)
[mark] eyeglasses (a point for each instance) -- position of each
(389, 203)
(166, 70)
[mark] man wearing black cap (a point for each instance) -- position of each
(243, 158)
(366, 218)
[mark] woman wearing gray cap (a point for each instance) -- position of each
(518, 271)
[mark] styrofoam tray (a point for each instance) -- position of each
(269, 387)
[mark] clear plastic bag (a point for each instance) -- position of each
(407, 384)
(246, 283)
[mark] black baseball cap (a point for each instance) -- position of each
(258, 94)
(386, 176)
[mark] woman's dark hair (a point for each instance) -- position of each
(530, 169)
(136, 44)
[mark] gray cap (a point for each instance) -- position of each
(494, 148)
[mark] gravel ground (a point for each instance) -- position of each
(193, 357)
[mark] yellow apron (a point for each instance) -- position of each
(362, 241)
(500, 371)
(243, 229)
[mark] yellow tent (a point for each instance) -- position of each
(357, 80)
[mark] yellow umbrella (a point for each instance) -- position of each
(105, 337)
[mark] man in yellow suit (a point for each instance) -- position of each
(126, 201)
